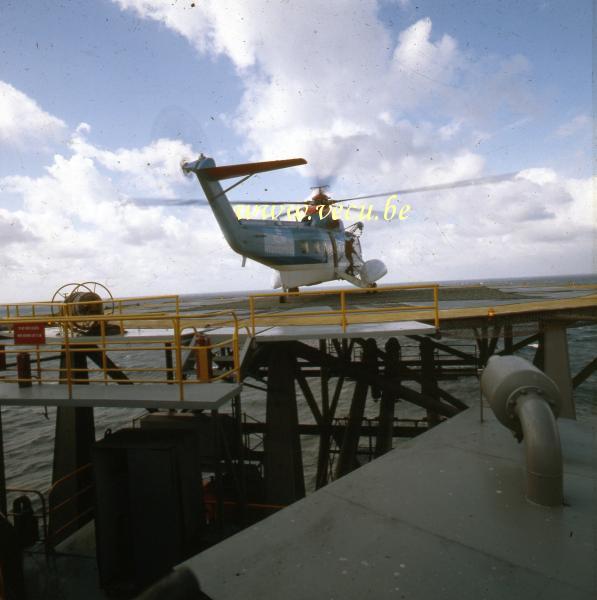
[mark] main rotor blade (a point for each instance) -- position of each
(200, 202)
(168, 201)
(440, 186)
(265, 202)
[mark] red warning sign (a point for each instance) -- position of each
(29, 333)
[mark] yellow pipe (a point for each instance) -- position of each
(177, 341)
(252, 313)
(69, 382)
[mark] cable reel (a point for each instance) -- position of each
(84, 300)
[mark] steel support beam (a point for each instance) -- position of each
(539, 358)
(584, 373)
(2, 470)
(428, 380)
(368, 428)
(284, 479)
(357, 371)
(470, 358)
(74, 438)
(388, 400)
(508, 339)
(350, 443)
(323, 453)
(483, 345)
(557, 364)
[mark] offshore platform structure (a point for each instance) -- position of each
(337, 365)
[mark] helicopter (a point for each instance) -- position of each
(303, 252)
(306, 251)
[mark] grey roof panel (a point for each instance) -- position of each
(442, 516)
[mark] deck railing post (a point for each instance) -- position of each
(343, 309)
(24, 369)
(252, 314)
(68, 362)
(103, 349)
(436, 305)
(178, 350)
(235, 350)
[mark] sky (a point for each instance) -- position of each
(100, 101)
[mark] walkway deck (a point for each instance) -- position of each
(443, 516)
(209, 396)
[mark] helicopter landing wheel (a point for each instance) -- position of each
(285, 299)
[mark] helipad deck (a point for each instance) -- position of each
(208, 396)
(285, 333)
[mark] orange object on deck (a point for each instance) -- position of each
(203, 358)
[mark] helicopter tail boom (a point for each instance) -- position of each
(218, 202)
(209, 177)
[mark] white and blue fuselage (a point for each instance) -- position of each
(303, 253)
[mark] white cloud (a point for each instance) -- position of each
(341, 89)
(13, 230)
(578, 124)
(153, 170)
(75, 225)
(24, 123)
(388, 111)
(512, 228)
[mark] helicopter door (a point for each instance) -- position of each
(337, 250)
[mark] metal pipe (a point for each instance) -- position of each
(543, 449)
(526, 401)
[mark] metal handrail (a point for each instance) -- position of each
(343, 313)
(36, 309)
(179, 328)
(44, 510)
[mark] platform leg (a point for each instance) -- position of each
(284, 478)
(483, 346)
(240, 453)
(218, 475)
(385, 432)
(428, 378)
(2, 471)
(539, 358)
(347, 459)
(323, 456)
(75, 435)
(556, 364)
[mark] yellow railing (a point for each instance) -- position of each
(51, 511)
(113, 306)
(133, 357)
(342, 315)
